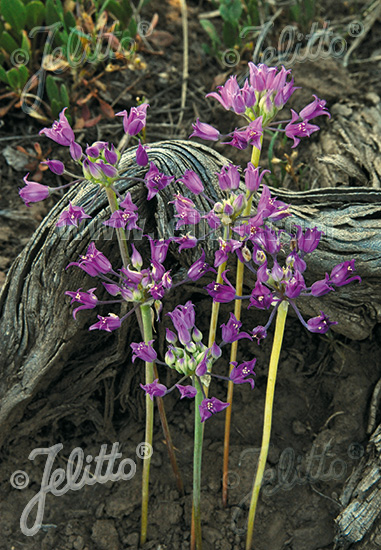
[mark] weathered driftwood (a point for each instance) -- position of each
(42, 347)
(362, 500)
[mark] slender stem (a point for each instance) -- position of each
(168, 439)
(274, 360)
(147, 329)
(196, 538)
(233, 353)
(120, 233)
(215, 309)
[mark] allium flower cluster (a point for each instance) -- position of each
(99, 164)
(193, 360)
(259, 100)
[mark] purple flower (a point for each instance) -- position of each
(72, 216)
(221, 293)
(240, 373)
(61, 131)
(261, 297)
(187, 216)
(98, 170)
(159, 249)
(186, 241)
(213, 220)
(127, 203)
(320, 324)
(341, 272)
(202, 367)
(87, 299)
(136, 258)
(211, 406)
(259, 333)
(296, 130)
(94, 262)
(199, 268)
(270, 207)
(95, 149)
(183, 319)
(55, 166)
(253, 178)
(230, 96)
(308, 242)
(226, 247)
(156, 181)
(141, 155)
(192, 182)
(253, 133)
(154, 389)
(134, 122)
(110, 323)
(123, 218)
(33, 192)
(269, 240)
(314, 109)
(295, 285)
(186, 391)
(320, 288)
(75, 151)
(229, 178)
(205, 131)
(143, 351)
(111, 154)
(230, 331)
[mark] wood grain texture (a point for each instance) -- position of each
(43, 347)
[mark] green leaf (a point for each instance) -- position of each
(65, 99)
(51, 13)
(35, 14)
(70, 21)
(25, 45)
(121, 10)
(23, 75)
(210, 29)
(8, 43)
(230, 34)
(56, 108)
(13, 78)
(3, 75)
(14, 13)
(231, 11)
(132, 28)
(52, 89)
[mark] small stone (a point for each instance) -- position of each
(79, 543)
(132, 539)
(298, 427)
(373, 98)
(105, 535)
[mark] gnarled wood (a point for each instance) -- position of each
(43, 347)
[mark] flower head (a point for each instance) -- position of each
(93, 262)
(230, 331)
(296, 130)
(239, 373)
(211, 406)
(33, 192)
(87, 299)
(192, 182)
(61, 131)
(341, 273)
(320, 324)
(154, 389)
(143, 351)
(135, 120)
(186, 391)
(156, 181)
(109, 323)
(221, 293)
(72, 216)
(205, 131)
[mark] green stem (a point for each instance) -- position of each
(274, 360)
(147, 329)
(255, 154)
(196, 539)
(122, 242)
(120, 233)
